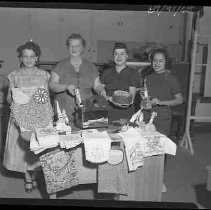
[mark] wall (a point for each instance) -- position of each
(203, 106)
(205, 29)
(51, 27)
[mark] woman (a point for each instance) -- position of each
(164, 90)
(119, 77)
(17, 154)
(71, 73)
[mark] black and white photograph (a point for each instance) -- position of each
(105, 105)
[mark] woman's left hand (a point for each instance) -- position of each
(155, 101)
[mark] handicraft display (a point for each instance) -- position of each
(34, 113)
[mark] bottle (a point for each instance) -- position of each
(58, 110)
(66, 120)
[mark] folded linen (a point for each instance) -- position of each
(97, 145)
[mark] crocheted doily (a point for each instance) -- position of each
(97, 151)
(32, 115)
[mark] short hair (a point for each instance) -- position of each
(30, 45)
(76, 36)
(168, 60)
(120, 45)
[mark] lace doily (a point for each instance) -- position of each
(97, 146)
(32, 115)
(97, 151)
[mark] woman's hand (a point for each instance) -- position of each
(156, 101)
(71, 89)
(178, 100)
(103, 93)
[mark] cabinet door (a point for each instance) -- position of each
(76, 21)
(117, 26)
(164, 28)
(135, 28)
(13, 23)
(45, 29)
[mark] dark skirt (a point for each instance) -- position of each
(117, 113)
(162, 121)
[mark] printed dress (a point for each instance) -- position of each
(17, 154)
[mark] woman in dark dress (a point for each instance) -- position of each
(164, 90)
(119, 77)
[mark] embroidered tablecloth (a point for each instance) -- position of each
(59, 169)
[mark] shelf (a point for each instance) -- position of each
(209, 36)
(200, 117)
(138, 63)
(201, 64)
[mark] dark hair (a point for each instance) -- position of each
(163, 51)
(120, 45)
(30, 45)
(76, 36)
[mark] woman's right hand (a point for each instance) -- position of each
(103, 93)
(71, 89)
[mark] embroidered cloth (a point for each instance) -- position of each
(59, 169)
(134, 148)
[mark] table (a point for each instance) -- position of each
(144, 184)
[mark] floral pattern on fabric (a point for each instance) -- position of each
(154, 145)
(32, 115)
(134, 153)
(41, 96)
(59, 169)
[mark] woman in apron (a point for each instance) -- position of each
(17, 154)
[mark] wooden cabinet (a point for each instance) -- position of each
(44, 27)
(13, 24)
(101, 28)
(76, 21)
(135, 28)
(51, 28)
(113, 26)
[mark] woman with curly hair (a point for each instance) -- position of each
(163, 89)
(164, 92)
(17, 154)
